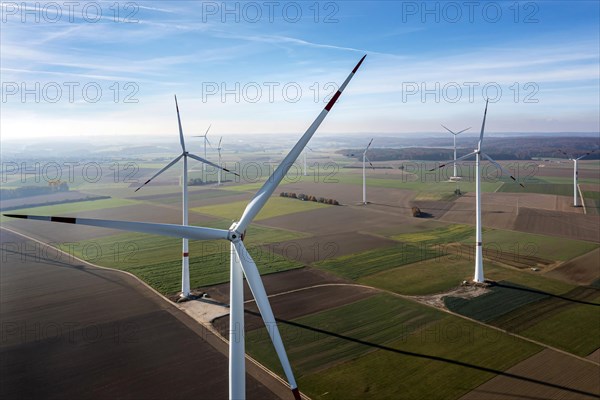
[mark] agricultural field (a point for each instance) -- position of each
(386, 347)
(344, 280)
(276, 206)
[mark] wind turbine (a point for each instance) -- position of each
(185, 264)
(575, 174)
(365, 159)
(305, 172)
(205, 136)
(478, 277)
(454, 134)
(219, 148)
(241, 262)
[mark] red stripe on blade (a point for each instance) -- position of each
(65, 220)
(333, 100)
(296, 393)
(358, 65)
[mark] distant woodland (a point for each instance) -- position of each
(518, 148)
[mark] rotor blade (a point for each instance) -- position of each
(504, 170)
(180, 128)
(370, 163)
(262, 301)
(585, 155)
(482, 126)
(205, 161)
(453, 161)
(459, 132)
(448, 130)
(309, 148)
(220, 140)
(262, 196)
(564, 152)
(369, 145)
(179, 231)
(169, 165)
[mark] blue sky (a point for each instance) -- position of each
(427, 64)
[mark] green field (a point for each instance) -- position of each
(446, 234)
(386, 347)
(275, 207)
(355, 266)
(575, 329)
(500, 300)
(560, 189)
(205, 270)
(522, 244)
(435, 275)
(157, 259)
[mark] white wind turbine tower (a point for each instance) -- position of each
(478, 277)
(454, 134)
(305, 171)
(205, 137)
(241, 262)
(219, 148)
(575, 175)
(365, 159)
(185, 260)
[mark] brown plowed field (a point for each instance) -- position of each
(590, 187)
(24, 202)
(72, 331)
(293, 305)
(351, 194)
(567, 378)
(583, 270)
(556, 223)
(61, 233)
(278, 283)
(292, 295)
(572, 224)
(336, 220)
(595, 356)
(500, 216)
(198, 197)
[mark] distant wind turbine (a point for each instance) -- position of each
(205, 136)
(575, 174)
(219, 148)
(305, 172)
(241, 262)
(454, 134)
(478, 277)
(365, 159)
(185, 265)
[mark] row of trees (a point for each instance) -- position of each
(305, 197)
(28, 191)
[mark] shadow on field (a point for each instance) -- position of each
(556, 296)
(427, 357)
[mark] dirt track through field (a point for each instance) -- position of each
(572, 377)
